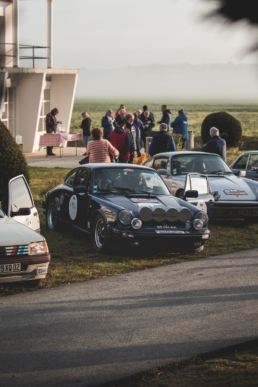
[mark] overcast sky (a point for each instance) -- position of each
(96, 34)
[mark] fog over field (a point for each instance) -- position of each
(176, 81)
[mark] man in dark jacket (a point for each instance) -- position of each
(180, 126)
(162, 142)
(107, 124)
(144, 109)
(51, 127)
(147, 124)
(85, 126)
(166, 116)
(120, 139)
(134, 146)
(216, 144)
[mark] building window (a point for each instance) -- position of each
(8, 110)
(44, 110)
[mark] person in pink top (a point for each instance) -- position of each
(99, 150)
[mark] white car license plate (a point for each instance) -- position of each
(42, 270)
(10, 267)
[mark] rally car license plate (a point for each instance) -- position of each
(169, 232)
(10, 267)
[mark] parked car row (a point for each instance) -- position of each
(164, 204)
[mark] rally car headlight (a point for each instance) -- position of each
(198, 224)
(203, 216)
(136, 223)
(37, 248)
(125, 217)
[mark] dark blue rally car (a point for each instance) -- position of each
(126, 204)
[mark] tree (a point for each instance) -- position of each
(12, 163)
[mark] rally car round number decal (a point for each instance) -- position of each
(73, 207)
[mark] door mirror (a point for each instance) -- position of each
(241, 173)
(21, 212)
(255, 169)
(79, 189)
(191, 193)
(162, 172)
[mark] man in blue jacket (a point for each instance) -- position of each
(162, 141)
(180, 126)
(216, 144)
(107, 124)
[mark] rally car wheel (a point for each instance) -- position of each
(100, 234)
(52, 216)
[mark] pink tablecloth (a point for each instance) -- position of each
(58, 138)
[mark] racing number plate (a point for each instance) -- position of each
(243, 212)
(10, 267)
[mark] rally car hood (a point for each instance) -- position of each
(12, 232)
(231, 188)
(155, 207)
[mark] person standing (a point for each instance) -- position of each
(180, 126)
(166, 116)
(120, 139)
(216, 144)
(129, 126)
(99, 150)
(122, 106)
(148, 124)
(107, 124)
(121, 115)
(144, 108)
(51, 127)
(162, 141)
(85, 126)
(139, 127)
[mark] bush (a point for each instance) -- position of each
(229, 127)
(12, 163)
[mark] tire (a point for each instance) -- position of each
(100, 234)
(52, 216)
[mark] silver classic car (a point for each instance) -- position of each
(247, 164)
(235, 197)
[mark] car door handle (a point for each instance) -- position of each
(81, 194)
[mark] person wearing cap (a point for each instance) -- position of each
(180, 126)
(120, 139)
(162, 141)
(216, 144)
(107, 124)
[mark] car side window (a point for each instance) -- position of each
(81, 177)
(69, 181)
(161, 163)
(241, 163)
(253, 162)
(20, 196)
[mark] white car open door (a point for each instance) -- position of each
(21, 205)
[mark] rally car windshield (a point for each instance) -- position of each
(199, 163)
(128, 181)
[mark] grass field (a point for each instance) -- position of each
(246, 113)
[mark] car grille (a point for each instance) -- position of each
(13, 251)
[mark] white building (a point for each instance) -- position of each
(28, 94)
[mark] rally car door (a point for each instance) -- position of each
(21, 205)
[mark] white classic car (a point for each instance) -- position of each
(24, 254)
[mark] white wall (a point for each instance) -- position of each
(28, 102)
(62, 96)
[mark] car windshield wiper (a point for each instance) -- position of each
(130, 190)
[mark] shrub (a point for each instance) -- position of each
(12, 163)
(229, 127)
